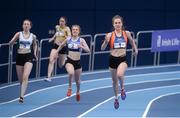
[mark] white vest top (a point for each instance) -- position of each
(25, 43)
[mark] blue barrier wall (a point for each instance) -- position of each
(94, 16)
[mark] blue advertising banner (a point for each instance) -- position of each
(165, 40)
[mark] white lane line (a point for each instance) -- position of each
(89, 91)
(96, 106)
(137, 75)
(52, 87)
(150, 103)
(87, 73)
(88, 81)
(59, 101)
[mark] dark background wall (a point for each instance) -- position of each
(94, 16)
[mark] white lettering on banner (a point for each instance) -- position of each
(176, 42)
(159, 41)
(167, 42)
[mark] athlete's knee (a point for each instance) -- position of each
(25, 79)
(120, 75)
(115, 82)
(51, 60)
(71, 73)
(78, 81)
(61, 64)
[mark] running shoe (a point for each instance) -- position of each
(116, 104)
(123, 94)
(69, 92)
(21, 99)
(47, 79)
(78, 97)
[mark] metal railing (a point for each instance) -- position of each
(55, 67)
(142, 49)
(40, 55)
(11, 62)
(37, 61)
(157, 55)
(92, 54)
(179, 57)
(106, 52)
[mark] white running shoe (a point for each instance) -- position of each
(47, 79)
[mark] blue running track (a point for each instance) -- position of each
(151, 92)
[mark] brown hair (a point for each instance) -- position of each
(118, 17)
(63, 17)
(28, 21)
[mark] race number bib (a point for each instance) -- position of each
(22, 46)
(70, 45)
(116, 45)
(75, 46)
(122, 44)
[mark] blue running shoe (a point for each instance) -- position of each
(123, 94)
(116, 104)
